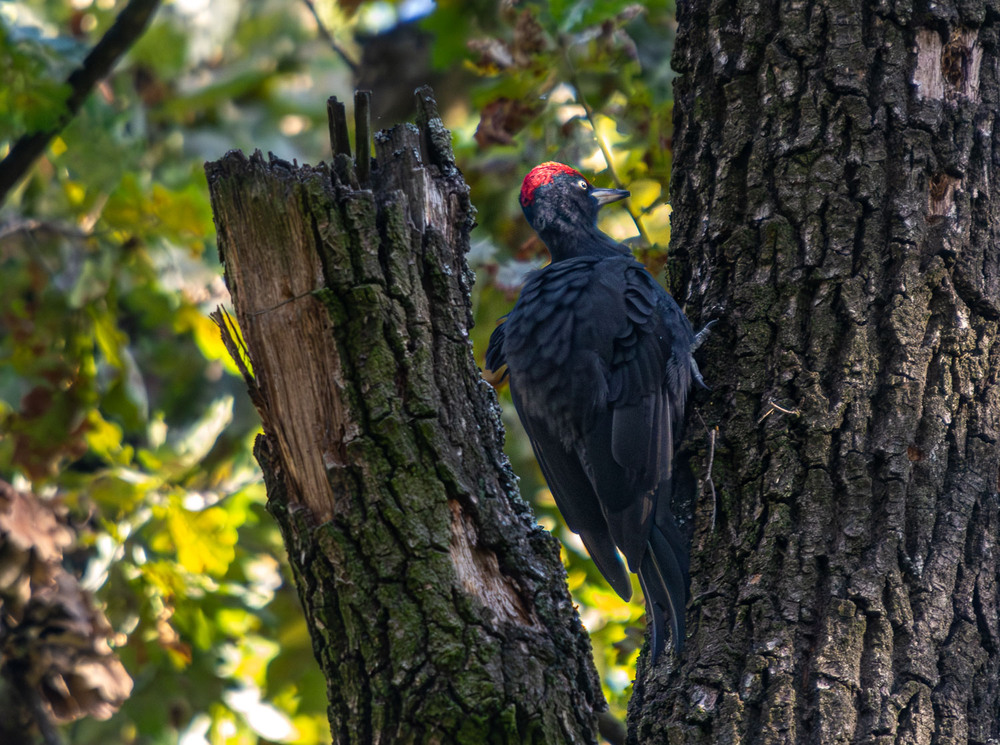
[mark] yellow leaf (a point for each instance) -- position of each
(204, 540)
(206, 335)
(605, 600)
(657, 224)
(126, 207)
(236, 622)
(606, 131)
(645, 191)
(619, 225)
(105, 439)
(310, 729)
(110, 339)
(163, 577)
(575, 578)
(544, 497)
(184, 213)
(247, 659)
(75, 192)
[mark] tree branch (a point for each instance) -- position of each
(328, 36)
(124, 32)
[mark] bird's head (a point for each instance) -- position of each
(557, 197)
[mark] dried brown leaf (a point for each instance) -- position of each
(30, 524)
(502, 119)
(62, 647)
(529, 38)
(57, 641)
(494, 54)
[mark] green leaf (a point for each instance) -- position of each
(104, 438)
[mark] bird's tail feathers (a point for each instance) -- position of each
(603, 554)
(663, 577)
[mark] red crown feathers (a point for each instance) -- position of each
(541, 175)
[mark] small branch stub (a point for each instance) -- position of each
(340, 142)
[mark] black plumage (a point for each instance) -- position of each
(600, 366)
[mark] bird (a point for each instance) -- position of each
(600, 362)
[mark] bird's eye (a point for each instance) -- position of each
(582, 183)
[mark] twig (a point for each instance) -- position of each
(124, 32)
(325, 33)
(574, 79)
(708, 472)
(773, 407)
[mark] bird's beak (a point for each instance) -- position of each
(607, 196)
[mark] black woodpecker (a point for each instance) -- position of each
(600, 364)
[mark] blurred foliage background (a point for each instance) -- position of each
(118, 404)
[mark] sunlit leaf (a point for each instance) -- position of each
(235, 622)
(121, 490)
(204, 540)
(657, 224)
(164, 578)
(109, 338)
(575, 579)
(644, 192)
(206, 336)
(263, 718)
(104, 438)
(247, 660)
(185, 215)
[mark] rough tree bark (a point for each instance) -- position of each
(837, 207)
(438, 607)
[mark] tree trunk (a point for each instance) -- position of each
(836, 207)
(438, 607)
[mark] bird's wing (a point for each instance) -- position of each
(551, 392)
(629, 448)
(596, 385)
(575, 497)
(496, 357)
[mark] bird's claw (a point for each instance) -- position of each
(700, 337)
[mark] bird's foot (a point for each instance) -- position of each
(700, 337)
